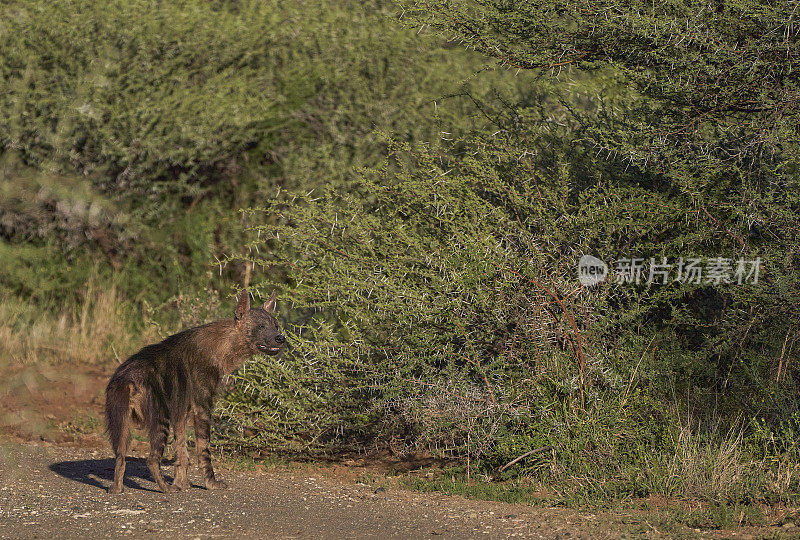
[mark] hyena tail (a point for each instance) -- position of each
(118, 424)
(118, 413)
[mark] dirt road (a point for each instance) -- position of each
(55, 492)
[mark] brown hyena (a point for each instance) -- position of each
(163, 384)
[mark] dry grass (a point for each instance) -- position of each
(712, 465)
(709, 467)
(93, 334)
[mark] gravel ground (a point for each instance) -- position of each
(57, 492)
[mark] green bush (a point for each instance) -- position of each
(426, 315)
(167, 118)
(689, 149)
(434, 305)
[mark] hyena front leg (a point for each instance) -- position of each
(181, 480)
(159, 429)
(202, 430)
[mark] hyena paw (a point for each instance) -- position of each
(115, 489)
(212, 483)
(182, 485)
(170, 488)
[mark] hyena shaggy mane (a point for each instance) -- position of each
(164, 383)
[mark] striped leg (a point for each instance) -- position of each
(202, 429)
(159, 429)
(181, 480)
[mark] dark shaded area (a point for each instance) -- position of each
(99, 473)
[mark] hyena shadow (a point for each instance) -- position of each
(99, 473)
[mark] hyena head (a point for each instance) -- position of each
(259, 325)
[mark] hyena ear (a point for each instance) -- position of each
(269, 305)
(243, 306)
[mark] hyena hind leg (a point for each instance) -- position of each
(120, 452)
(118, 420)
(159, 429)
(181, 480)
